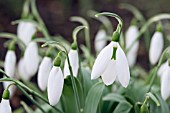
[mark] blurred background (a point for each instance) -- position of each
(56, 14)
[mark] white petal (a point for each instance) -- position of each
(25, 31)
(165, 90)
(74, 62)
(10, 63)
(100, 40)
(43, 72)
(5, 106)
(31, 58)
(156, 47)
(122, 67)
(109, 74)
(22, 71)
(102, 61)
(131, 35)
(55, 85)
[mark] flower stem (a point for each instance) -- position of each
(74, 85)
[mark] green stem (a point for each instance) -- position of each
(30, 98)
(74, 85)
(38, 17)
(28, 89)
(87, 31)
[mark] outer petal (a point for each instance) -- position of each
(131, 35)
(43, 72)
(74, 61)
(102, 60)
(10, 63)
(5, 106)
(100, 41)
(109, 74)
(22, 71)
(156, 47)
(165, 90)
(55, 85)
(25, 31)
(31, 58)
(122, 67)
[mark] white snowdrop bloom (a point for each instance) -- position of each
(162, 68)
(25, 31)
(74, 62)
(10, 63)
(43, 72)
(165, 78)
(55, 85)
(109, 68)
(31, 58)
(9, 67)
(131, 35)
(5, 106)
(22, 70)
(156, 47)
(100, 40)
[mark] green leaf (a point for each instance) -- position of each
(153, 98)
(123, 107)
(93, 98)
(26, 107)
(68, 97)
(114, 97)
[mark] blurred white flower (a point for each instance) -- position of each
(9, 67)
(5, 106)
(74, 62)
(156, 47)
(22, 71)
(31, 58)
(25, 31)
(55, 85)
(43, 72)
(100, 40)
(131, 35)
(165, 78)
(109, 68)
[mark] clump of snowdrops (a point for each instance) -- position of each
(109, 81)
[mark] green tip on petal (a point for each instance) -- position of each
(6, 94)
(115, 36)
(114, 53)
(74, 46)
(57, 61)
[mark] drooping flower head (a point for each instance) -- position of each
(131, 35)
(25, 31)
(156, 46)
(55, 82)
(5, 104)
(111, 63)
(44, 71)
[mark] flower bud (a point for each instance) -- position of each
(144, 109)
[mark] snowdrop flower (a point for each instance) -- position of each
(156, 47)
(111, 63)
(25, 31)
(74, 62)
(43, 72)
(31, 58)
(5, 105)
(100, 40)
(131, 35)
(9, 67)
(22, 70)
(165, 78)
(55, 83)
